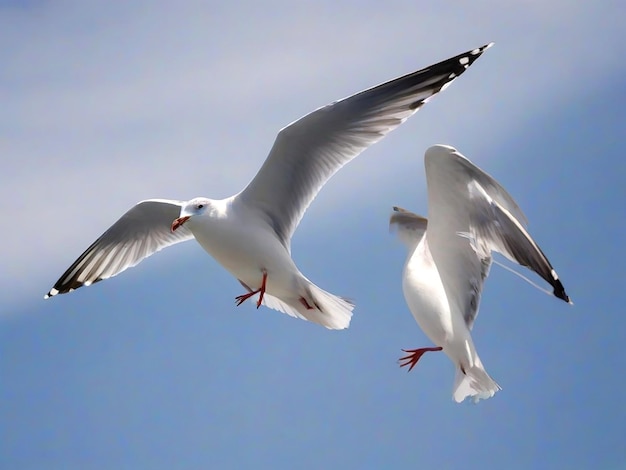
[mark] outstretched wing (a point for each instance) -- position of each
(312, 149)
(471, 215)
(142, 231)
(495, 228)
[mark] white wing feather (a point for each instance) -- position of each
(470, 215)
(140, 232)
(312, 149)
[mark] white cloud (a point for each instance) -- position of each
(105, 104)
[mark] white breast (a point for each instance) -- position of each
(246, 247)
(425, 295)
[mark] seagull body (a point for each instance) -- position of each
(250, 233)
(249, 252)
(449, 255)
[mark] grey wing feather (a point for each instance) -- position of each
(494, 227)
(140, 232)
(309, 151)
(475, 292)
(471, 215)
(462, 268)
(451, 160)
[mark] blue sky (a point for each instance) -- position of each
(106, 105)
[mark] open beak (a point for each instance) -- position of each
(179, 222)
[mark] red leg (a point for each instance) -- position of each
(261, 290)
(414, 356)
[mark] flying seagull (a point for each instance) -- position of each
(449, 255)
(250, 233)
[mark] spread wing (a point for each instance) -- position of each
(312, 149)
(140, 232)
(470, 215)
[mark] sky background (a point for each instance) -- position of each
(108, 103)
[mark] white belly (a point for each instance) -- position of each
(426, 297)
(246, 251)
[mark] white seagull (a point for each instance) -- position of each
(249, 233)
(449, 255)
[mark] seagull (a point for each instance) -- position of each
(249, 233)
(449, 255)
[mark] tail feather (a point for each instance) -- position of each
(474, 383)
(328, 310)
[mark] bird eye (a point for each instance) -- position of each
(200, 206)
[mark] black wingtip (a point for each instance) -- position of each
(559, 291)
(469, 57)
(460, 62)
(51, 293)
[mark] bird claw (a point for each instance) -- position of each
(243, 297)
(261, 291)
(414, 356)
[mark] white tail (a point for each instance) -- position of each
(333, 313)
(475, 383)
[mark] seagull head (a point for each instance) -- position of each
(196, 206)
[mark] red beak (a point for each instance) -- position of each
(179, 222)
